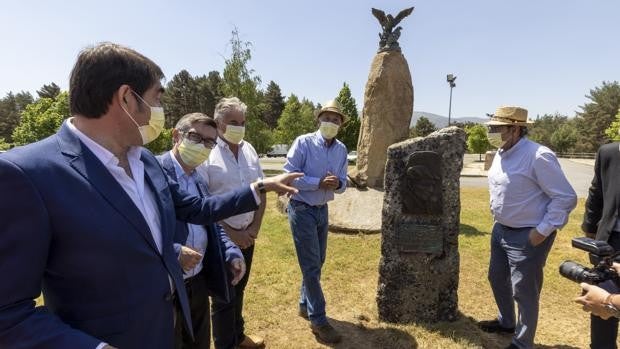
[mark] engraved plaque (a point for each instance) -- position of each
(421, 190)
(419, 238)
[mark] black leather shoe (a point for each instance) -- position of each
(493, 326)
(303, 312)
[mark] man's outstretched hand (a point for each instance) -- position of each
(281, 183)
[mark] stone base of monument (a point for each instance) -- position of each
(419, 267)
(354, 211)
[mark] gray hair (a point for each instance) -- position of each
(186, 122)
(227, 105)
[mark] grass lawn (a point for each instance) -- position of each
(350, 282)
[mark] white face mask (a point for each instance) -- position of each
(328, 130)
(495, 139)
(234, 134)
(193, 154)
(156, 123)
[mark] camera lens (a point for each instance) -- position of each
(574, 271)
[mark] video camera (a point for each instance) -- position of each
(602, 256)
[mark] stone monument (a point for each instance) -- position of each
(419, 267)
(388, 104)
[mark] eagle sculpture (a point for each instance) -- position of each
(388, 39)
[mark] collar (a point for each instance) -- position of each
(515, 148)
(103, 154)
(178, 169)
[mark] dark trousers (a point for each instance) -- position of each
(604, 333)
(196, 287)
(227, 318)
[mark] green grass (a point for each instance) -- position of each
(350, 282)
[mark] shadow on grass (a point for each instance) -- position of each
(359, 336)
(465, 328)
(468, 230)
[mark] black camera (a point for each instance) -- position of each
(602, 256)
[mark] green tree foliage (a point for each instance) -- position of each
(214, 84)
(544, 126)
(274, 105)
(613, 131)
(49, 91)
(11, 107)
(477, 140)
(350, 131)
(564, 138)
(241, 81)
(162, 144)
(423, 127)
(41, 119)
(297, 119)
(181, 97)
(597, 115)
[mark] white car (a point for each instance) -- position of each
(352, 157)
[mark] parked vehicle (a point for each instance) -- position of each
(278, 150)
(352, 157)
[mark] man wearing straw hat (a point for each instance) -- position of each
(530, 200)
(323, 160)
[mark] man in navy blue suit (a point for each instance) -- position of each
(87, 216)
(206, 252)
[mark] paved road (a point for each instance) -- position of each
(579, 175)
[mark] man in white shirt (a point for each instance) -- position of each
(232, 164)
(530, 200)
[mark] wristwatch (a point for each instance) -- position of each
(615, 312)
(261, 187)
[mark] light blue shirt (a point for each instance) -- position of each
(197, 238)
(311, 155)
(528, 188)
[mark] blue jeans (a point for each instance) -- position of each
(309, 227)
(516, 275)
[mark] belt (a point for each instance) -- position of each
(306, 204)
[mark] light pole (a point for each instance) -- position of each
(450, 78)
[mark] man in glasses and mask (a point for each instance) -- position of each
(205, 252)
(530, 200)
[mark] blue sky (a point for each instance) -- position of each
(544, 55)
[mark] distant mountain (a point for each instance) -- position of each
(442, 121)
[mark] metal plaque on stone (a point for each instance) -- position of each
(419, 238)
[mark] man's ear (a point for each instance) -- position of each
(175, 136)
(122, 94)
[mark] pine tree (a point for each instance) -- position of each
(297, 119)
(274, 105)
(597, 115)
(49, 91)
(349, 132)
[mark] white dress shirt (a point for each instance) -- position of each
(528, 188)
(223, 173)
(197, 237)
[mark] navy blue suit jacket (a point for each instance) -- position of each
(220, 249)
(68, 229)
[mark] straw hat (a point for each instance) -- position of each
(332, 106)
(509, 116)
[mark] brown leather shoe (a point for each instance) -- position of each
(326, 333)
(252, 342)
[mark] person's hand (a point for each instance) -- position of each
(329, 182)
(237, 268)
(536, 238)
(594, 300)
(241, 238)
(281, 183)
(616, 267)
(189, 258)
(107, 346)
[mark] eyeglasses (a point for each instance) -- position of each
(196, 138)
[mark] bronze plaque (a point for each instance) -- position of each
(419, 238)
(421, 189)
